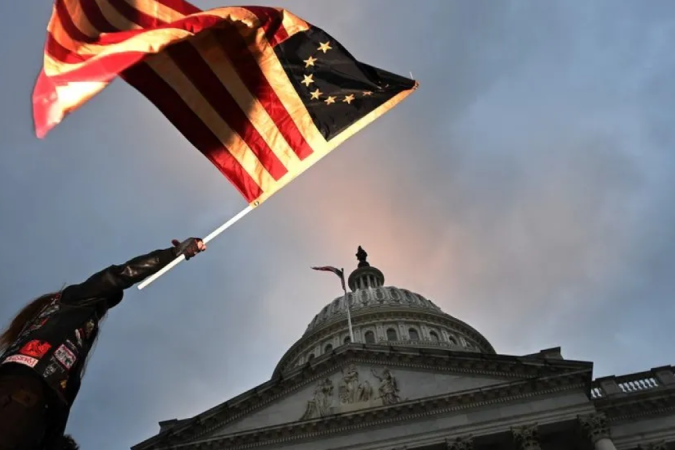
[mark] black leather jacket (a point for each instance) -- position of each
(55, 344)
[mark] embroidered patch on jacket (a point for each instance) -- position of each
(52, 369)
(35, 348)
(71, 346)
(21, 359)
(65, 356)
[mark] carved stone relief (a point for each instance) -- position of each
(388, 389)
(354, 391)
(351, 390)
(319, 405)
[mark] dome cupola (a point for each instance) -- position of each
(365, 276)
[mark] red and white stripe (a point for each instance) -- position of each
(214, 74)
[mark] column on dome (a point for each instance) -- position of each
(460, 443)
(444, 335)
(358, 337)
(379, 333)
(526, 437)
(596, 429)
(402, 332)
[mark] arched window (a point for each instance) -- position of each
(452, 340)
(311, 357)
(346, 340)
(391, 334)
(414, 335)
(370, 337)
(327, 348)
(434, 336)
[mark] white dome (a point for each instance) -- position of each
(381, 315)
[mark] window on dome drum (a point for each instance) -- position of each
(391, 334)
(346, 340)
(414, 335)
(370, 337)
(311, 357)
(434, 336)
(327, 348)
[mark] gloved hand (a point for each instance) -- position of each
(189, 247)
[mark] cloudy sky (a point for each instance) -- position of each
(526, 188)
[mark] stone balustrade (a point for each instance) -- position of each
(658, 378)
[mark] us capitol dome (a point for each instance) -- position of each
(381, 315)
(411, 377)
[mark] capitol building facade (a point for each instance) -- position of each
(416, 378)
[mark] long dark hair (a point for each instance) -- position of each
(13, 330)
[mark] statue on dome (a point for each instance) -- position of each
(361, 255)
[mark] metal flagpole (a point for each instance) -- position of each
(349, 315)
(208, 238)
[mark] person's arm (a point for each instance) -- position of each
(116, 278)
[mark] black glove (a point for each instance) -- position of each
(187, 248)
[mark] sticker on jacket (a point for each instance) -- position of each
(72, 347)
(21, 359)
(35, 348)
(65, 356)
(54, 368)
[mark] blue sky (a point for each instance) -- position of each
(526, 188)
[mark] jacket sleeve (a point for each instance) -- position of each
(110, 282)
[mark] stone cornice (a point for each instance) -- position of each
(411, 410)
(638, 404)
(499, 366)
